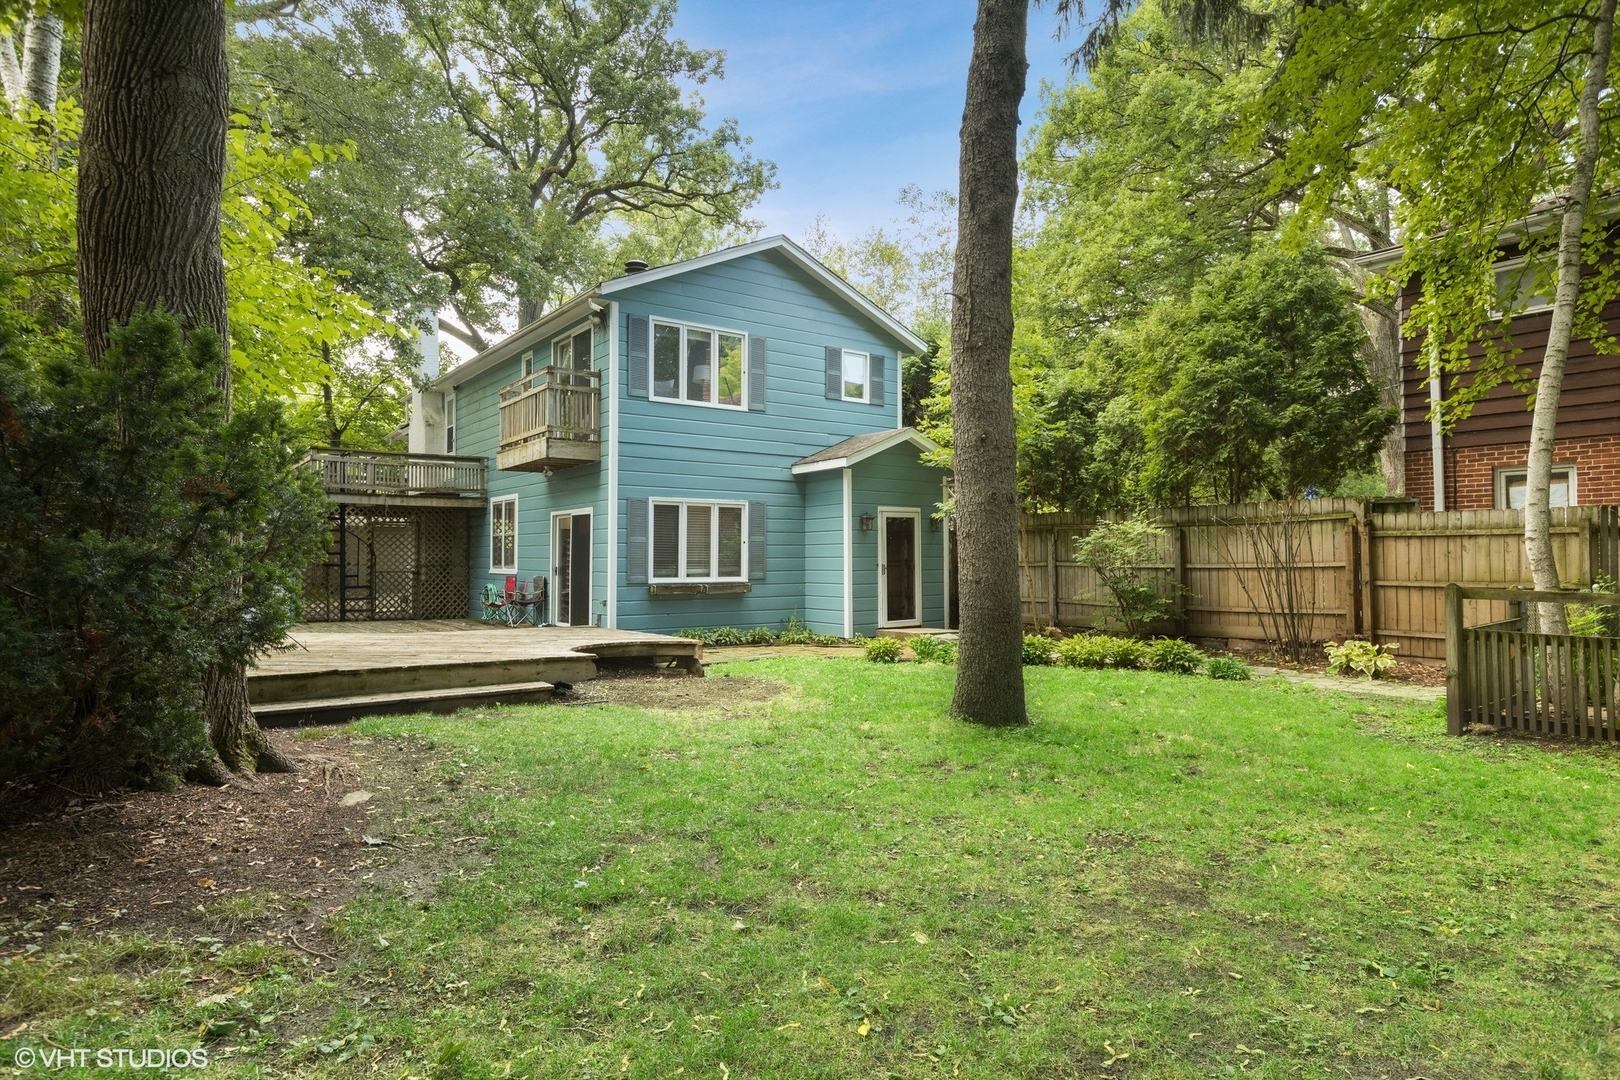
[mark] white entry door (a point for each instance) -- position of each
(899, 566)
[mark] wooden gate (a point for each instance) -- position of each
(1502, 676)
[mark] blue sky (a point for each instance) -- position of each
(852, 100)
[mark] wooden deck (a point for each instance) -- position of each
(337, 670)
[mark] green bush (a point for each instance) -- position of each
(1125, 556)
(728, 635)
(1362, 657)
(698, 633)
(1102, 651)
(761, 635)
(1038, 650)
(883, 650)
(797, 633)
(933, 650)
(1226, 668)
(1173, 656)
(148, 533)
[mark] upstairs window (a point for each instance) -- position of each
(450, 423)
(697, 365)
(696, 541)
(857, 376)
(1512, 485)
(1523, 288)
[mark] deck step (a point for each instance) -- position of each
(380, 675)
(334, 709)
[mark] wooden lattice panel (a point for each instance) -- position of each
(390, 564)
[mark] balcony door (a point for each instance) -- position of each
(571, 568)
(899, 567)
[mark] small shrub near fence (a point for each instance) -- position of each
(1173, 656)
(1226, 669)
(1039, 650)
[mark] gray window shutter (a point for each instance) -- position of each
(879, 363)
(756, 373)
(640, 361)
(756, 541)
(835, 372)
(635, 523)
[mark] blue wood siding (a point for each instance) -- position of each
(894, 479)
(824, 551)
(671, 450)
(580, 488)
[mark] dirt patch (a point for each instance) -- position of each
(722, 654)
(726, 694)
(230, 861)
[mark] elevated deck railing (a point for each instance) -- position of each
(552, 403)
(376, 474)
(1502, 675)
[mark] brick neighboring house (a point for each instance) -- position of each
(1482, 460)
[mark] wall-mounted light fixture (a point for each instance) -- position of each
(866, 523)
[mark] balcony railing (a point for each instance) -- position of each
(378, 477)
(551, 420)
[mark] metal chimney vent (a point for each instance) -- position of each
(634, 266)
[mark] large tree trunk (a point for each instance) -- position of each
(151, 176)
(42, 59)
(1544, 420)
(989, 672)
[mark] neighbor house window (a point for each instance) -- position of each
(573, 351)
(1522, 288)
(857, 372)
(450, 423)
(503, 535)
(698, 541)
(697, 365)
(1512, 484)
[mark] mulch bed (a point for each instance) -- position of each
(146, 860)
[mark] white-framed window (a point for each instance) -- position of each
(503, 535)
(699, 541)
(573, 350)
(699, 365)
(1522, 288)
(1512, 484)
(450, 422)
(857, 376)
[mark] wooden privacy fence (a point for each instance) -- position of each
(1504, 677)
(1370, 568)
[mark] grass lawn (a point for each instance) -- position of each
(1162, 877)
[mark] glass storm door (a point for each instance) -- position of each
(897, 569)
(571, 569)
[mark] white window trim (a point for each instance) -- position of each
(714, 545)
(503, 500)
(1507, 265)
(587, 328)
(450, 422)
(1511, 472)
(915, 514)
(652, 335)
(866, 384)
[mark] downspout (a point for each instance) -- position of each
(613, 466)
(1437, 441)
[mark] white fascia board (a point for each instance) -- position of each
(613, 466)
(540, 330)
(797, 255)
(849, 554)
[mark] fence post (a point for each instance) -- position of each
(1178, 567)
(1454, 658)
(1052, 576)
(1369, 613)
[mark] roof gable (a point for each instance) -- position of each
(794, 254)
(855, 450)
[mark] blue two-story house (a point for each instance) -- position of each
(716, 442)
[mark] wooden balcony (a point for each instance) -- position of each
(551, 420)
(379, 478)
